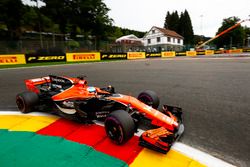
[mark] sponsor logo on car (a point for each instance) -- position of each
(58, 80)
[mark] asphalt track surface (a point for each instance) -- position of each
(214, 94)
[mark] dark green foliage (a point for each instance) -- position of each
(82, 24)
(172, 21)
(89, 16)
(115, 32)
(246, 35)
(185, 28)
(11, 14)
(126, 31)
(31, 18)
(233, 38)
(181, 24)
(167, 20)
(199, 39)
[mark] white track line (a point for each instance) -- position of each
(200, 156)
(191, 152)
(31, 114)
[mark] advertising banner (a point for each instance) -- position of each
(168, 54)
(180, 53)
(191, 53)
(41, 59)
(77, 57)
(246, 50)
(113, 56)
(152, 55)
(218, 51)
(201, 52)
(236, 51)
(12, 59)
(209, 52)
(136, 55)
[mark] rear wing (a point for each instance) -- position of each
(60, 82)
(32, 84)
(53, 81)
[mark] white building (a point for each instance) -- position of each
(127, 43)
(129, 39)
(160, 39)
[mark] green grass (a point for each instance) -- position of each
(48, 64)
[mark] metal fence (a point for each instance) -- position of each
(31, 46)
(49, 46)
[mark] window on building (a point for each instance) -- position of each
(179, 41)
(153, 31)
(158, 39)
(169, 39)
(173, 40)
(149, 41)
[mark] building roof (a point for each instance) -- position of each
(130, 37)
(168, 32)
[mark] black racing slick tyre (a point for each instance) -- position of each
(150, 98)
(26, 101)
(119, 126)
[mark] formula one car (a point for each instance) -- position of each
(122, 115)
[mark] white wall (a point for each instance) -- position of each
(163, 39)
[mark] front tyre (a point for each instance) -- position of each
(150, 98)
(119, 126)
(26, 101)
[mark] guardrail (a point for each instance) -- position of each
(98, 56)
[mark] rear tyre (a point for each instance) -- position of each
(119, 126)
(26, 101)
(150, 98)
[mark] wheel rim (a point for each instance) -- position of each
(114, 130)
(146, 99)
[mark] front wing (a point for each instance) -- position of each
(161, 139)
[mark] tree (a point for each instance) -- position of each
(232, 38)
(246, 35)
(182, 25)
(11, 14)
(32, 17)
(172, 21)
(88, 15)
(114, 32)
(101, 20)
(59, 11)
(29, 18)
(167, 20)
(186, 29)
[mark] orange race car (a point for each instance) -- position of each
(122, 115)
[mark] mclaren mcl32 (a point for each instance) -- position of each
(122, 115)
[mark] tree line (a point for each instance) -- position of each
(74, 17)
(234, 38)
(182, 25)
(89, 18)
